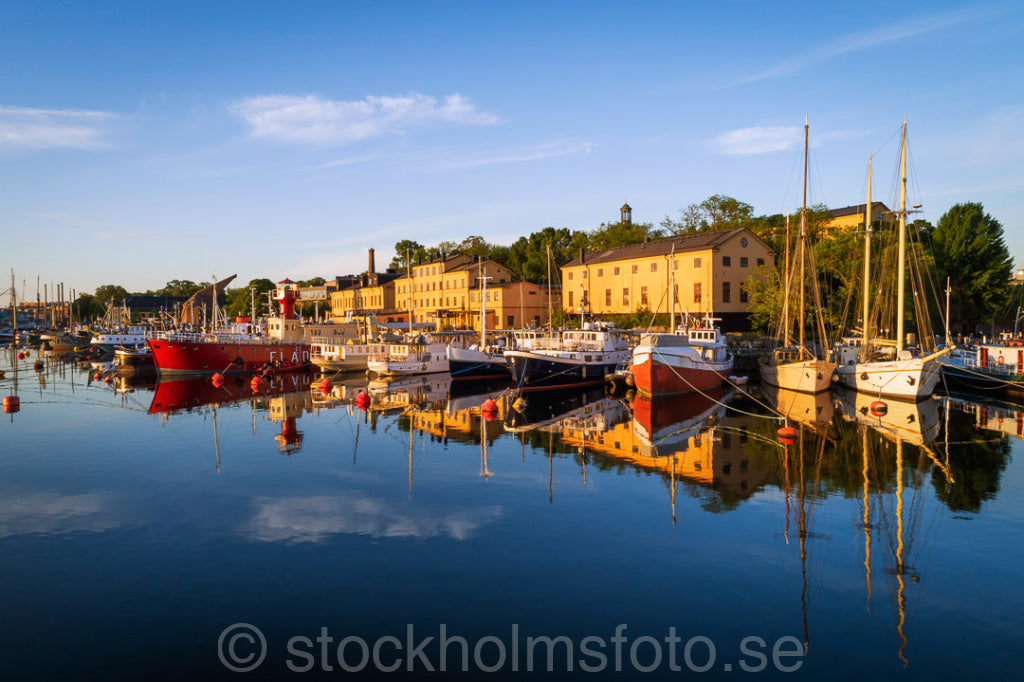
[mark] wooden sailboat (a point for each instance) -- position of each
(793, 366)
(880, 366)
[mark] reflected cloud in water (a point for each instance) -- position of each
(314, 519)
(50, 513)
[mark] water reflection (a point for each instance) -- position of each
(865, 523)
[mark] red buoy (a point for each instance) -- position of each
(325, 390)
(257, 383)
(21, 356)
(879, 408)
(12, 404)
(326, 383)
(787, 435)
(489, 406)
(97, 376)
(217, 379)
(362, 400)
(108, 381)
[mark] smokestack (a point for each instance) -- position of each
(582, 256)
(372, 269)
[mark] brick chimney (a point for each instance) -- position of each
(372, 269)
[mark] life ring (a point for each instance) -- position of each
(1000, 360)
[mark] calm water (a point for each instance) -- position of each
(138, 526)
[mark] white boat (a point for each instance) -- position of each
(794, 366)
(336, 355)
(416, 357)
(884, 367)
(693, 358)
(575, 357)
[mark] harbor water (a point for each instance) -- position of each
(181, 530)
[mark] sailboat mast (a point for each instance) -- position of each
(549, 285)
(785, 289)
(901, 269)
(412, 281)
(867, 257)
(483, 307)
(803, 240)
(672, 296)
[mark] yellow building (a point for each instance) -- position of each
(371, 292)
(851, 217)
(706, 272)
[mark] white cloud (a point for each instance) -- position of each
(310, 119)
(758, 140)
(24, 128)
(313, 519)
(855, 42)
(523, 155)
(47, 513)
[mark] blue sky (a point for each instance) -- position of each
(144, 142)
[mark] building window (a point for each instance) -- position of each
(726, 261)
(625, 296)
(743, 295)
(696, 262)
(600, 272)
(654, 267)
(570, 275)
(584, 274)
(696, 292)
(743, 261)
(511, 320)
(635, 269)
(570, 299)
(760, 262)
(616, 271)
(726, 291)
(643, 295)
(675, 265)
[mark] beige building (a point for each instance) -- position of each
(851, 217)
(706, 272)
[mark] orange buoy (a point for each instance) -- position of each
(879, 408)
(12, 404)
(108, 381)
(217, 379)
(362, 400)
(489, 406)
(787, 435)
(257, 383)
(97, 376)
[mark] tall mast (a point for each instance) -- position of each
(901, 268)
(672, 306)
(549, 286)
(483, 306)
(412, 304)
(867, 258)
(785, 289)
(803, 240)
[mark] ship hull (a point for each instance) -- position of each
(907, 379)
(661, 373)
(468, 364)
(204, 357)
(536, 371)
(805, 376)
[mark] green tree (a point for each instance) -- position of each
(110, 293)
(179, 287)
(418, 252)
(86, 308)
(969, 248)
(611, 235)
(528, 260)
(238, 300)
(716, 213)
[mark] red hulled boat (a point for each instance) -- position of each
(282, 347)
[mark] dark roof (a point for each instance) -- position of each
(153, 302)
(662, 247)
(876, 208)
